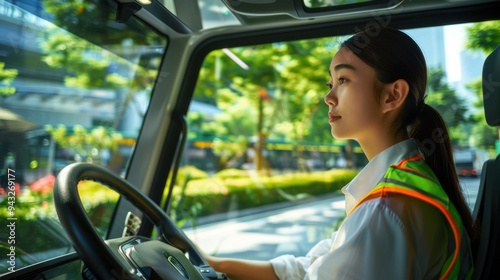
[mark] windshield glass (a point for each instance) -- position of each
(74, 87)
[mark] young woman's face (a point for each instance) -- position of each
(354, 110)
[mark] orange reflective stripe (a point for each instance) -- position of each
(402, 164)
(383, 191)
(372, 195)
(404, 161)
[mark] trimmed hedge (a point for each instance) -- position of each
(223, 193)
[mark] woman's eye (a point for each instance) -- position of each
(342, 80)
(329, 85)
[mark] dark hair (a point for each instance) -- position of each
(395, 55)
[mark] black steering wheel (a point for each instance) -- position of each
(174, 256)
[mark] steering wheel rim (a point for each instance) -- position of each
(82, 233)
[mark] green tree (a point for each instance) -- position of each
(278, 93)
(483, 135)
(257, 87)
(83, 18)
(303, 80)
(485, 37)
(87, 65)
(6, 78)
(106, 59)
(447, 102)
(236, 122)
(88, 144)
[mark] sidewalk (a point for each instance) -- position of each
(262, 236)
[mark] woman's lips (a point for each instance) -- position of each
(333, 118)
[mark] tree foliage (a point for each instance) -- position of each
(6, 78)
(485, 37)
(83, 17)
(87, 143)
(86, 65)
(445, 99)
(449, 104)
(276, 91)
(118, 56)
(97, 59)
(482, 135)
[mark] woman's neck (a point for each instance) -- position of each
(374, 145)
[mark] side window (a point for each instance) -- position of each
(260, 152)
(74, 87)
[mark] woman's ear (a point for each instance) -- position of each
(394, 95)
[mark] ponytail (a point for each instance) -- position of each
(432, 137)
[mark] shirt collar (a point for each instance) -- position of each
(371, 174)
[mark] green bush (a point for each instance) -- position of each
(220, 194)
(36, 217)
(232, 173)
(189, 172)
(34, 206)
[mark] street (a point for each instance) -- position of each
(470, 187)
(292, 230)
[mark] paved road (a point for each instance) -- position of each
(470, 187)
(292, 230)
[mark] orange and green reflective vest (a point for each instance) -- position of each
(413, 177)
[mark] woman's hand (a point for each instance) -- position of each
(238, 269)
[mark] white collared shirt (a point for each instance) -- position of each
(371, 174)
(385, 238)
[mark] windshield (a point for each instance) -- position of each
(75, 85)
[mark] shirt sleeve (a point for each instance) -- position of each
(290, 267)
(372, 243)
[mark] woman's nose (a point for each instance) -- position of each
(330, 98)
